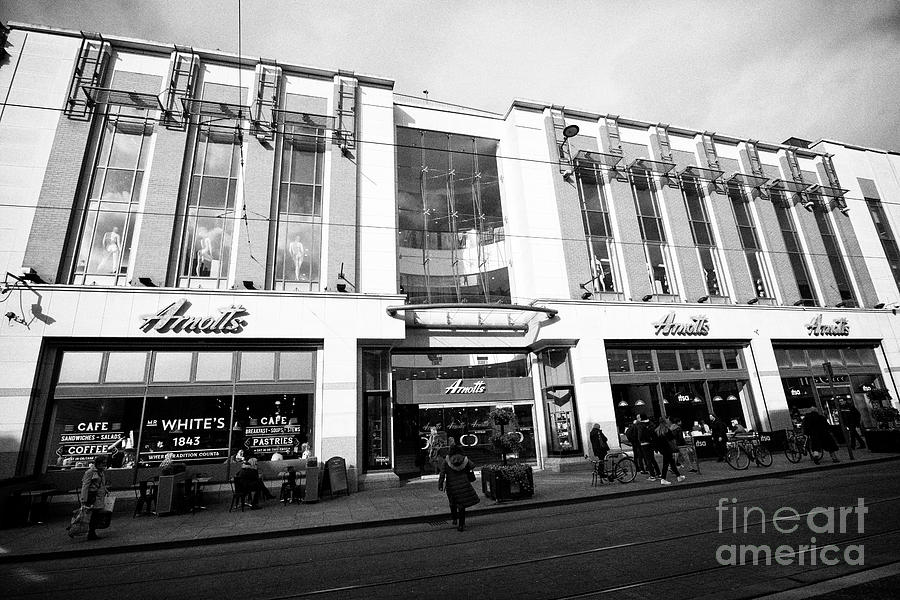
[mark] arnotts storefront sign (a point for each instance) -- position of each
(171, 318)
(667, 326)
(458, 388)
(837, 327)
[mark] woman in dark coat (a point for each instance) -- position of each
(817, 429)
(460, 493)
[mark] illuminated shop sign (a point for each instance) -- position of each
(172, 318)
(836, 327)
(699, 325)
(457, 387)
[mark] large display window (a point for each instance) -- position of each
(203, 407)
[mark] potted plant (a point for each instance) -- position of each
(506, 481)
(885, 437)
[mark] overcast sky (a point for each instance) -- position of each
(766, 70)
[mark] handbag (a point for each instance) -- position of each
(103, 516)
(79, 525)
(470, 475)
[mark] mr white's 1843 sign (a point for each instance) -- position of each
(172, 318)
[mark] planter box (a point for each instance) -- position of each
(882, 440)
(496, 486)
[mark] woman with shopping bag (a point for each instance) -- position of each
(95, 509)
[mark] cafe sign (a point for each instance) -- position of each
(698, 325)
(172, 319)
(837, 327)
(458, 388)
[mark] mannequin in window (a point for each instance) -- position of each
(204, 253)
(296, 250)
(112, 248)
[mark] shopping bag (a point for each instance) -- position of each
(103, 518)
(81, 518)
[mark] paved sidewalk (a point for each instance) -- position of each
(415, 501)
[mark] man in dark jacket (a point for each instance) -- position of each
(631, 434)
(647, 439)
(852, 420)
(600, 446)
(719, 436)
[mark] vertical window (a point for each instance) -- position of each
(299, 234)
(107, 234)
(451, 235)
(211, 216)
(794, 250)
(833, 251)
(749, 241)
(701, 229)
(888, 241)
(597, 230)
(656, 252)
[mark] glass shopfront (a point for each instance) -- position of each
(204, 407)
(684, 382)
(807, 384)
(441, 396)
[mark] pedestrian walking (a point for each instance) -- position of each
(816, 428)
(685, 451)
(665, 444)
(457, 475)
(647, 439)
(719, 436)
(600, 446)
(852, 420)
(93, 493)
(631, 434)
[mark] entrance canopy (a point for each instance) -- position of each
(470, 316)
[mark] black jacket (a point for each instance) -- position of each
(599, 444)
(455, 477)
(719, 430)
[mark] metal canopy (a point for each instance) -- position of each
(789, 186)
(218, 110)
(701, 173)
(827, 190)
(290, 117)
(99, 95)
(654, 166)
(597, 159)
(750, 180)
(466, 316)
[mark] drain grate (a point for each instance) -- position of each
(438, 523)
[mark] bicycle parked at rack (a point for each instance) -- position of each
(797, 446)
(744, 448)
(617, 466)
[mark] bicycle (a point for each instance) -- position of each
(797, 446)
(743, 449)
(618, 466)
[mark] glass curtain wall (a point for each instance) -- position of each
(451, 235)
(299, 231)
(794, 249)
(211, 217)
(833, 251)
(701, 229)
(597, 230)
(656, 250)
(886, 235)
(750, 241)
(108, 231)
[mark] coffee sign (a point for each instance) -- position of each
(667, 326)
(836, 327)
(172, 318)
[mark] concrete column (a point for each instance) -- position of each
(339, 405)
(768, 393)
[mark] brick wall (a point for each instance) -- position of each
(815, 246)
(770, 230)
(343, 216)
(732, 249)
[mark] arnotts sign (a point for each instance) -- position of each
(667, 326)
(459, 388)
(839, 327)
(171, 319)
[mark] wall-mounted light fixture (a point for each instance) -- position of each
(647, 298)
(841, 304)
(800, 303)
(569, 131)
(702, 299)
(344, 282)
(880, 305)
(752, 300)
(146, 282)
(249, 285)
(808, 205)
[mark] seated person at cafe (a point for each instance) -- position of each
(736, 427)
(248, 481)
(169, 466)
(701, 428)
